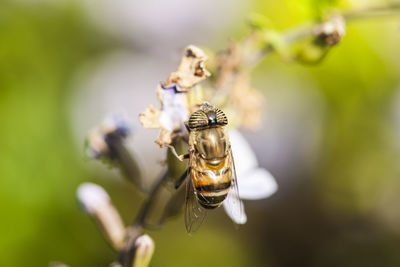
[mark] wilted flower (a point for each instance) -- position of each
(253, 182)
(107, 142)
(245, 104)
(172, 115)
(173, 97)
(191, 70)
(96, 202)
(115, 125)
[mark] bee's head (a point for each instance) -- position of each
(207, 116)
(212, 117)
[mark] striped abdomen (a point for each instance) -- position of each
(211, 181)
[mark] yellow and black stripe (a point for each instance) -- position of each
(212, 186)
(211, 196)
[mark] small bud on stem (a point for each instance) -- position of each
(332, 31)
(144, 251)
(96, 202)
(107, 142)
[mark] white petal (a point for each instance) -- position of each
(172, 118)
(237, 217)
(167, 121)
(257, 184)
(174, 112)
(244, 157)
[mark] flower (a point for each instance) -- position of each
(173, 97)
(253, 182)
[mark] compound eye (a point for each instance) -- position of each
(198, 120)
(221, 117)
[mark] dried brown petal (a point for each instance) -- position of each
(191, 69)
(227, 63)
(164, 138)
(247, 101)
(150, 117)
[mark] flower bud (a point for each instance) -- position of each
(144, 251)
(114, 124)
(96, 144)
(332, 31)
(96, 202)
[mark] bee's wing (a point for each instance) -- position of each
(194, 212)
(233, 205)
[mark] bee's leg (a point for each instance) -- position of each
(180, 157)
(181, 179)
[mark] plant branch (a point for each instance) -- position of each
(135, 230)
(125, 160)
(306, 30)
(377, 11)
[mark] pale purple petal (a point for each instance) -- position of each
(174, 112)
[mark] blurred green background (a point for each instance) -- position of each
(337, 204)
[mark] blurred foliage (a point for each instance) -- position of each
(314, 8)
(40, 47)
(339, 215)
(342, 213)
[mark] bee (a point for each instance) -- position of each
(211, 167)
